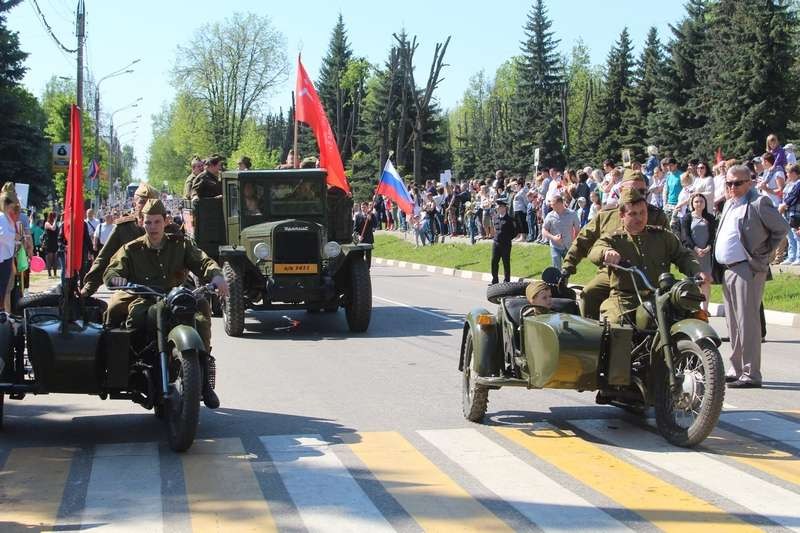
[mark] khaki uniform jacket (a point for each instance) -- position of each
(162, 268)
(125, 230)
(653, 251)
(206, 185)
(605, 223)
(187, 186)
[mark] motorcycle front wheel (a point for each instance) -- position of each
(183, 406)
(686, 416)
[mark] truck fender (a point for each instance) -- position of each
(487, 358)
(186, 338)
(695, 330)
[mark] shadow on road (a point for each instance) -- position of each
(387, 322)
(24, 426)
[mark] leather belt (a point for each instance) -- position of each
(728, 267)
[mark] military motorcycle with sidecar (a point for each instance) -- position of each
(665, 356)
(41, 352)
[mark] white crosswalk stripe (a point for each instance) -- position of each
(540, 499)
(771, 426)
(124, 492)
(326, 495)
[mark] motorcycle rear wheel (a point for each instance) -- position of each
(474, 397)
(686, 417)
(183, 407)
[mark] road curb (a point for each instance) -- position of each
(774, 318)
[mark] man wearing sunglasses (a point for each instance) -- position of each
(749, 232)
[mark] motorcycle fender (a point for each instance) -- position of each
(487, 358)
(186, 338)
(695, 330)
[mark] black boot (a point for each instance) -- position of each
(210, 398)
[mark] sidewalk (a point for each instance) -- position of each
(775, 318)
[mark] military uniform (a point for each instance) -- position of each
(187, 186)
(605, 223)
(653, 251)
(162, 269)
(504, 233)
(206, 185)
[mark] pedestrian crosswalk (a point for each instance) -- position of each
(574, 475)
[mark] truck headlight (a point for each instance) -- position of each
(331, 250)
(262, 251)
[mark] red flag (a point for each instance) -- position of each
(719, 155)
(309, 110)
(73, 204)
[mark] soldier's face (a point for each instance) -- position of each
(154, 226)
(635, 217)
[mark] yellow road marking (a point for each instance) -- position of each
(777, 463)
(434, 500)
(31, 487)
(222, 490)
(664, 505)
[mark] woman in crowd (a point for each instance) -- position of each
(655, 191)
(37, 232)
(704, 184)
(684, 197)
(790, 209)
(775, 148)
(9, 240)
(699, 229)
(596, 206)
(51, 245)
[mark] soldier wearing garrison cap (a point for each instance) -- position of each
(650, 248)
(207, 184)
(126, 228)
(161, 261)
(197, 168)
(538, 294)
(606, 223)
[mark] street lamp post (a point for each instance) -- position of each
(124, 70)
(133, 104)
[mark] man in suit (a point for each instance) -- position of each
(749, 232)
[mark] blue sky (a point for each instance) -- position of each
(483, 36)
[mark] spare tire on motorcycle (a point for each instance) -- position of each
(498, 291)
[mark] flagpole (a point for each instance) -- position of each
(295, 158)
(294, 145)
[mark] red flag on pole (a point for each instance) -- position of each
(73, 204)
(309, 109)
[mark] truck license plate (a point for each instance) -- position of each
(291, 268)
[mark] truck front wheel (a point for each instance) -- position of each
(233, 304)
(358, 309)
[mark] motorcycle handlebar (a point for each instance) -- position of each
(625, 266)
(136, 288)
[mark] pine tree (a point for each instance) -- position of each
(754, 92)
(582, 81)
(679, 125)
(537, 106)
(335, 96)
(611, 105)
(640, 99)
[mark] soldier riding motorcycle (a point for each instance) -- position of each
(160, 261)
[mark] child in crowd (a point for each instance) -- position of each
(539, 297)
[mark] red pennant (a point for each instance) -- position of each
(73, 204)
(309, 110)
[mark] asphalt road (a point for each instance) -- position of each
(322, 430)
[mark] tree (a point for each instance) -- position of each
(583, 82)
(254, 145)
(422, 97)
(24, 151)
(640, 101)
(380, 106)
(754, 92)
(679, 123)
(537, 107)
(334, 94)
(231, 68)
(610, 106)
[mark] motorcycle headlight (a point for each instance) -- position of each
(331, 250)
(686, 296)
(262, 251)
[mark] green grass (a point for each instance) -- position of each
(781, 294)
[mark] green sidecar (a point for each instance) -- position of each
(664, 357)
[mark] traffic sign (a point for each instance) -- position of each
(61, 157)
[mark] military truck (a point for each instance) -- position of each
(284, 241)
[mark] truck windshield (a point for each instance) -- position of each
(296, 197)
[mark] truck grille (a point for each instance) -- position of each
(296, 247)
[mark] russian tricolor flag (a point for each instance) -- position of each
(391, 186)
(94, 170)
